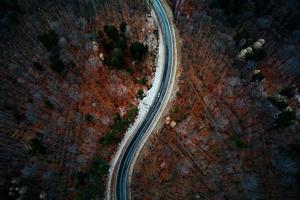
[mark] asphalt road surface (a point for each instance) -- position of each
(122, 170)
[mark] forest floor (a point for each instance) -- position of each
(232, 131)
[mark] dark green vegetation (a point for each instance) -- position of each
(286, 118)
(117, 59)
(261, 7)
(10, 11)
(287, 115)
(56, 64)
(120, 126)
(142, 81)
(115, 45)
(37, 147)
(289, 91)
(175, 109)
(112, 32)
(257, 55)
(140, 93)
(49, 40)
(230, 7)
(89, 182)
(49, 105)
(278, 102)
(257, 77)
(123, 27)
(38, 66)
(243, 33)
(89, 118)
(238, 142)
(138, 50)
(19, 116)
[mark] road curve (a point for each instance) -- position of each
(119, 187)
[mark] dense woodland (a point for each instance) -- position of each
(71, 75)
(235, 130)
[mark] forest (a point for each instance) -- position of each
(235, 130)
(72, 73)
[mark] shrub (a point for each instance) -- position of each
(108, 138)
(243, 33)
(87, 193)
(121, 43)
(238, 142)
(260, 7)
(112, 32)
(10, 10)
(9, 6)
(289, 91)
(132, 113)
(293, 22)
(30, 100)
(108, 46)
(89, 118)
(230, 7)
(117, 59)
(99, 168)
(138, 50)
(278, 102)
(123, 27)
(118, 40)
(119, 126)
(37, 147)
(286, 118)
(142, 81)
(56, 64)
(129, 70)
(257, 54)
(90, 181)
(49, 40)
(175, 109)
(38, 66)
(117, 117)
(257, 77)
(49, 104)
(99, 35)
(81, 178)
(140, 93)
(19, 116)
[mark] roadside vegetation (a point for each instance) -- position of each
(88, 182)
(120, 126)
(115, 44)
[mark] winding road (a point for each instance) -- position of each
(119, 188)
